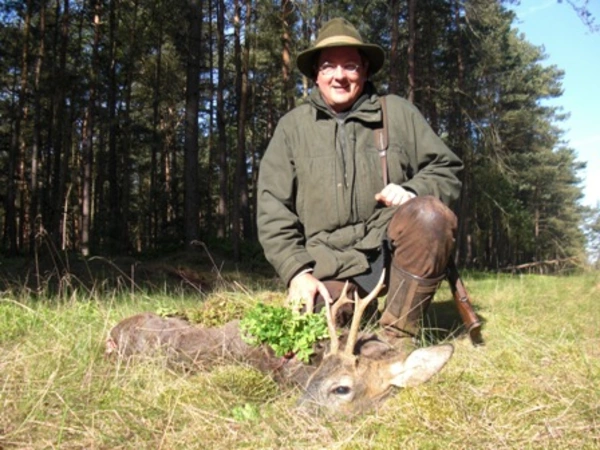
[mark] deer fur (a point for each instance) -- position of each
(191, 347)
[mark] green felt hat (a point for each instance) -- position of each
(339, 32)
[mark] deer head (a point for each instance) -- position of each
(352, 379)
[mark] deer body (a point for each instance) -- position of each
(344, 381)
(190, 346)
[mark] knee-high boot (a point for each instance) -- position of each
(407, 301)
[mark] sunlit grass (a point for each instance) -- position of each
(533, 385)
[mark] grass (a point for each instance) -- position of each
(535, 384)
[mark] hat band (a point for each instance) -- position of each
(339, 40)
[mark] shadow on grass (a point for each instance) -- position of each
(195, 271)
(443, 322)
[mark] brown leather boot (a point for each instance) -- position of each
(407, 301)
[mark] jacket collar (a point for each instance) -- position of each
(363, 109)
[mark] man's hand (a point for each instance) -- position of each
(394, 195)
(304, 287)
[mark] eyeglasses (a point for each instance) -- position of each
(329, 69)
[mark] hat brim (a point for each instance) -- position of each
(305, 61)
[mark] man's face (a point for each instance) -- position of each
(341, 76)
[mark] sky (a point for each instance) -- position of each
(572, 47)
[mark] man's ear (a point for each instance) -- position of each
(420, 365)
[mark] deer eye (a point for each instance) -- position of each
(341, 390)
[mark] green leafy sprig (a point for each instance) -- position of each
(283, 329)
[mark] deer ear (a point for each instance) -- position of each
(420, 365)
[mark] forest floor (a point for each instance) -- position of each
(535, 384)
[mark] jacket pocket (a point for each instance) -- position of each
(317, 196)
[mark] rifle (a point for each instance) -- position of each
(461, 296)
(463, 304)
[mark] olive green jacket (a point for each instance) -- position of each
(319, 176)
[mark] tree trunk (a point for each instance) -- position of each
(240, 186)
(222, 210)
(15, 160)
(212, 157)
(429, 81)
(88, 137)
(22, 118)
(241, 135)
(114, 215)
(247, 222)
(412, 43)
(394, 60)
(124, 237)
(157, 209)
(287, 8)
(192, 98)
(37, 132)
(307, 27)
(60, 126)
(462, 146)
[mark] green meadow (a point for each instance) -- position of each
(535, 384)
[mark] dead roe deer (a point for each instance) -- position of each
(344, 381)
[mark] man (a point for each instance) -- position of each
(324, 213)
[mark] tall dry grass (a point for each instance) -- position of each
(535, 384)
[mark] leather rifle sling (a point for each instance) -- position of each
(381, 141)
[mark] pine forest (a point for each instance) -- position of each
(138, 126)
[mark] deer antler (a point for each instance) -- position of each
(359, 308)
(331, 312)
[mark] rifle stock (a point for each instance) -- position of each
(464, 305)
